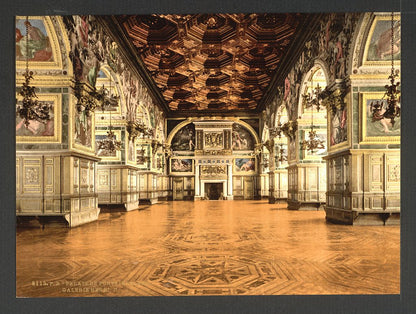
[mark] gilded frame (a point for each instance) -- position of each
(364, 138)
(172, 172)
(238, 171)
(57, 121)
(365, 60)
(345, 144)
(73, 145)
(128, 147)
(53, 39)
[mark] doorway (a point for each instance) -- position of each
(214, 190)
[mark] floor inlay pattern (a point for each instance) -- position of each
(208, 248)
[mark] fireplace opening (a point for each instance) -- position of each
(214, 190)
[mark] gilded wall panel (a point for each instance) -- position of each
(18, 176)
(49, 175)
(103, 179)
(375, 129)
(393, 173)
(31, 205)
(114, 175)
(32, 175)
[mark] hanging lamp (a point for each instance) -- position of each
(313, 142)
(392, 94)
(110, 143)
(29, 108)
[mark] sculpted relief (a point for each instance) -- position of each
(213, 140)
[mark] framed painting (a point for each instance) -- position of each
(83, 125)
(378, 46)
(131, 156)
(181, 166)
(38, 132)
(184, 139)
(242, 140)
(39, 45)
(245, 165)
(339, 124)
(375, 129)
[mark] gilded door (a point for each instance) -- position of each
(248, 188)
(178, 189)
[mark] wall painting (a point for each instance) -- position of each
(184, 139)
(83, 129)
(35, 44)
(245, 165)
(242, 138)
(378, 47)
(179, 165)
(375, 128)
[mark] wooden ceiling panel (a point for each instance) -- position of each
(216, 62)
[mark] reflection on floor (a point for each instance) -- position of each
(208, 248)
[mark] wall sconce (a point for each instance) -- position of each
(138, 128)
(334, 100)
(289, 129)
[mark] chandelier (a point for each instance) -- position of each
(30, 108)
(289, 129)
(276, 131)
(167, 150)
(141, 158)
(281, 155)
(135, 129)
(314, 142)
(110, 143)
(87, 97)
(392, 94)
(314, 98)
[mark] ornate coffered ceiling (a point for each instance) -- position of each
(212, 62)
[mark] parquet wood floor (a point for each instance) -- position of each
(208, 248)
